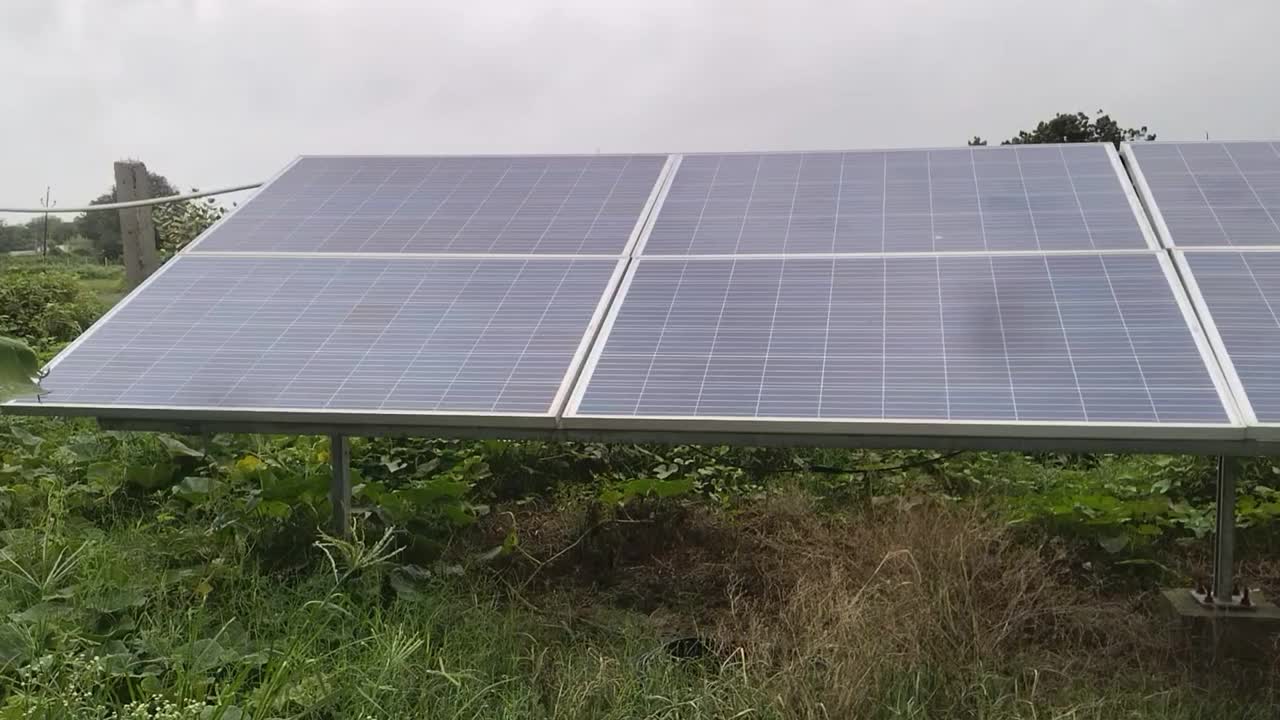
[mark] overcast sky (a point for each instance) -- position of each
(219, 92)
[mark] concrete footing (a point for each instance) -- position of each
(1216, 633)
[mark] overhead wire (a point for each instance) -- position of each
(132, 203)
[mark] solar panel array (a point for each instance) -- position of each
(997, 288)
(519, 205)
(362, 334)
(774, 286)
(1051, 338)
(1046, 197)
(1211, 194)
(1241, 292)
(342, 287)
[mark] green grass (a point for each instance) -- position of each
(126, 601)
(109, 290)
(104, 280)
(169, 621)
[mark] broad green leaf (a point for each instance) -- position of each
(19, 370)
(84, 449)
(193, 488)
(249, 464)
(222, 712)
(662, 488)
(457, 515)
(431, 492)
(149, 477)
(117, 598)
(16, 648)
(665, 471)
(205, 655)
(273, 509)
(102, 474)
(39, 613)
(374, 491)
(25, 437)
(638, 487)
(176, 447)
(283, 485)
(673, 488)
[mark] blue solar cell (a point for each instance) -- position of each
(1034, 338)
(1242, 292)
(364, 334)
(516, 205)
(1213, 194)
(1047, 197)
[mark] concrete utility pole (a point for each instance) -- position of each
(137, 233)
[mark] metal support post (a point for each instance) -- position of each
(340, 484)
(1224, 542)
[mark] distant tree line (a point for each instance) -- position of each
(30, 235)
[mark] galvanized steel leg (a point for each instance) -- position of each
(1224, 540)
(340, 484)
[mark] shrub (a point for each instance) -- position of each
(44, 307)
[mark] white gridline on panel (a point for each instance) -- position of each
(569, 266)
(497, 311)
(1035, 232)
(1221, 228)
(422, 346)
(1249, 183)
(339, 223)
(1111, 286)
(715, 337)
(177, 299)
(1213, 209)
(210, 307)
(1112, 303)
(978, 194)
(1225, 322)
(551, 302)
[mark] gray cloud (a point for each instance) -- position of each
(214, 92)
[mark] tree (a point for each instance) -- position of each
(58, 232)
(181, 222)
(103, 227)
(29, 235)
(13, 237)
(1076, 128)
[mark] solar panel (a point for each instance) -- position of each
(989, 340)
(1241, 293)
(383, 336)
(1042, 197)
(1210, 194)
(517, 205)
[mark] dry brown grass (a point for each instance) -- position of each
(867, 603)
(832, 614)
